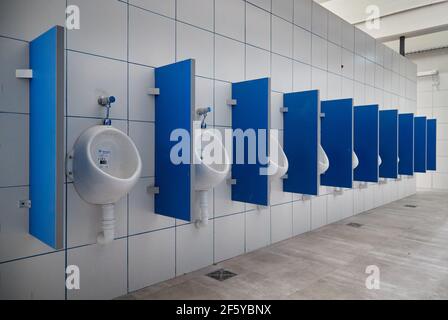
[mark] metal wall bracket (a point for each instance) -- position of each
(231, 182)
(363, 185)
(305, 197)
(153, 91)
(284, 177)
(24, 204)
(153, 190)
(382, 181)
(338, 191)
(283, 110)
(231, 102)
(24, 73)
(322, 115)
(400, 178)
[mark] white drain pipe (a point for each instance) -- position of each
(108, 225)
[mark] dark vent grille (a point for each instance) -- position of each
(410, 206)
(221, 275)
(354, 225)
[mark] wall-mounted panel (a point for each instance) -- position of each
(301, 140)
(174, 112)
(366, 142)
(250, 116)
(432, 144)
(420, 144)
(406, 144)
(337, 141)
(389, 144)
(47, 137)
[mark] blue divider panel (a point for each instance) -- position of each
(389, 143)
(420, 145)
(47, 138)
(406, 144)
(366, 142)
(337, 141)
(174, 110)
(251, 112)
(301, 140)
(432, 145)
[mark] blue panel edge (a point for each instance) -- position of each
(389, 135)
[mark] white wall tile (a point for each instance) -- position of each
(229, 59)
(196, 12)
(104, 39)
(334, 29)
(334, 58)
(258, 27)
(360, 69)
(86, 82)
(204, 98)
(379, 77)
(440, 181)
(223, 112)
(302, 45)
(301, 215)
(360, 43)
(146, 28)
(334, 86)
(319, 25)
(223, 200)
(194, 247)
(283, 8)
(348, 61)
(258, 63)
(98, 264)
(348, 36)
(319, 51)
(264, 4)
(141, 104)
(151, 258)
(14, 92)
(14, 145)
(319, 82)
(142, 133)
(228, 247)
(36, 278)
(281, 73)
(276, 114)
(281, 222)
(318, 212)
(347, 88)
(230, 19)
(302, 77)
(302, 13)
(370, 73)
(165, 7)
(142, 217)
(194, 43)
(26, 20)
(282, 37)
(258, 228)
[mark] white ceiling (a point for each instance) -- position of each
(423, 22)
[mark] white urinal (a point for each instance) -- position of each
(278, 164)
(323, 161)
(355, 160)
(209, 171)
(104, 165)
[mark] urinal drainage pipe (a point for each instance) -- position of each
(203, 208)
(108, 224)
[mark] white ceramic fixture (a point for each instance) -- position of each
(104, 165)
(210, 169)
(355, 160)
(323, 161)
(278, 164)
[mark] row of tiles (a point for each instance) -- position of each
(153, 257)
(232, 18)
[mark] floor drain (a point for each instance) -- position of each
(221, 275)
(354, 225)
(410, 206)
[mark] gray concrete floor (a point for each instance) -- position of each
(409, 245)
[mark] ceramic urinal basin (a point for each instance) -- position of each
(105, 165)
(323, 161)
(210, 169)
(278, 164)
(355, 160)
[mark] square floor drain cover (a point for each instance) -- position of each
(354, 225)
(410, 206)
(221, 275)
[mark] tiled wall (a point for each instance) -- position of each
(433, 103)
(296, 42)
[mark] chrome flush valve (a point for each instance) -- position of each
(106, 102)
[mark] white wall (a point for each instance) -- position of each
(300, 45)
(433, 103)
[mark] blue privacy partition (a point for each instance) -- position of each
(47, 137)
(301, 140)
(432, 144)
(389, 144)
(337, 141)
(251, 112)
(406, 144)
(174, 114)
(366, 142)
(420, 144)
